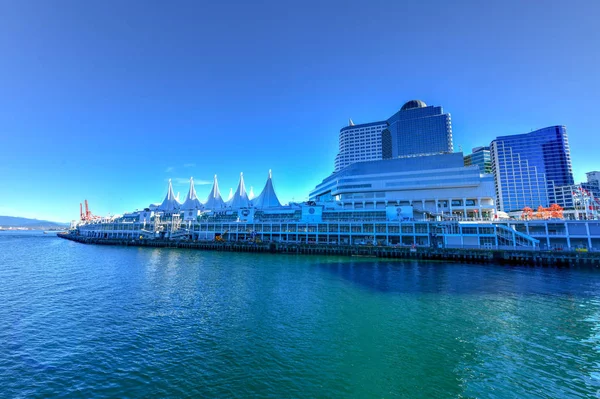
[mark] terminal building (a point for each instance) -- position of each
(425, 187)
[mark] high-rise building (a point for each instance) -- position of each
(527, 167)
(593, 178)
(480, 156)
(417, 129)
(359, 143)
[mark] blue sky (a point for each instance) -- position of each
(107, 100)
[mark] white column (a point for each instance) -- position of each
(587, 230)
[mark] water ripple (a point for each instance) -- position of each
(86, 321)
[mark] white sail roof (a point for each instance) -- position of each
(251, 193)
(267, 198)
(230, 196)
(191, 200)
(214, 200)
(170, 203)
(240, 198)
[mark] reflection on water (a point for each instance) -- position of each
(93, 321)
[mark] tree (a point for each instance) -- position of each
(527, 213)
(556, 211)
(542, 213)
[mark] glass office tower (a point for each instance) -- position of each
(417, 129)
(480, 157)
(527, 167)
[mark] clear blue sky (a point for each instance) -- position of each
(106, 100)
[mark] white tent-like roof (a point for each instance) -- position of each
(191, 200)
(267, 198)
(251, 193)
(214, 200)
(170, 203)
(240, 198)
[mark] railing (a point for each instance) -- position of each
(515, 237)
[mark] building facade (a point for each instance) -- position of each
(583, 198)
(593, 178)
(528, 167)
(433, 186)
(480, 156)
(359, 143)
(417, 129)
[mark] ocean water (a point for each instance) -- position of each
(105, 322)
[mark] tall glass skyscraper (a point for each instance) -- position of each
(417, 129)
(527, 167)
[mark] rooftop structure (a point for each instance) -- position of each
(240, 198)
(170, 203)
(267, 198)
(214, 200)
(191, 200)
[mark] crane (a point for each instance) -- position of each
(87, 215)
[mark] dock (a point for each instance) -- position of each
(498, 256)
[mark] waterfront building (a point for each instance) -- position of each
(428, 187)
(593, 180)
(582, 198)
(359, 143)
(417, 129)
(592, 186)
(480, 156)
(331, 222)
(528, 167)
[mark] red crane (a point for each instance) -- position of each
(87, 216)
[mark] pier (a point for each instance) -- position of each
(500, 256)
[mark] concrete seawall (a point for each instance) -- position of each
(516, 257)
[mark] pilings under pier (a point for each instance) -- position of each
(515, 257)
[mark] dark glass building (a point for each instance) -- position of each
(417, 129)
(527, 168)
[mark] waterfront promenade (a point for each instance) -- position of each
(502, 256)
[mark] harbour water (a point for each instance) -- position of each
(101, 321)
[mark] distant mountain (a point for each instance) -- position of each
(13, 221)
